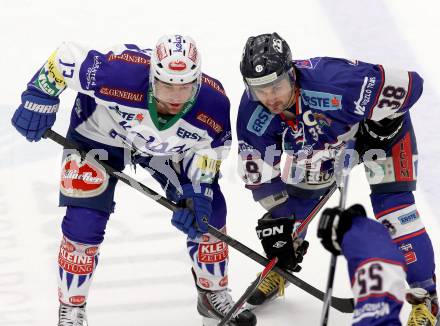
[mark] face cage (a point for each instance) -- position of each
(289, 75)
(169, 99)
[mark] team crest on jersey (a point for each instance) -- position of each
(82, 179)
(49, 79)
(298, 133)
(307, 64)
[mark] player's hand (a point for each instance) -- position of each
(194, 219)
(300, 247)
(183, 219)
(275, 235)
(333, 224)
(35, 115)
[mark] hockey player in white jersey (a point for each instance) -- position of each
(151, 108)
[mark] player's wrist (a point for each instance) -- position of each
(285, 209)
(202, 191)
(275, 235)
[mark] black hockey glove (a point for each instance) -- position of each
(276, 238)
(333, 225)
(300, 247)
(377, 134)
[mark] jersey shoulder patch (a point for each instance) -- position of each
(210, 122)
(259, 120)
(130, 57)
(213, 83)
(307, 63)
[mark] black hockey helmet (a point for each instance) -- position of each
(265, 54)
(266, 60)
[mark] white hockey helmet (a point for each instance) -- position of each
(175, 60)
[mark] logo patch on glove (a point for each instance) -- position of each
(279, 244)
(41, 108)
(268, 232)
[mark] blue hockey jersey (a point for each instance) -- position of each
(332, 96)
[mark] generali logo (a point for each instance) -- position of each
(177, 65)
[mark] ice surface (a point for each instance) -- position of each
(143, 277)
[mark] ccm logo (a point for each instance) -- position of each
(270, 231)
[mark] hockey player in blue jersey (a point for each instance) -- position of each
(376, 268)
(153, 108)
(305, 112)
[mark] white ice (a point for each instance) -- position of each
(143, 276)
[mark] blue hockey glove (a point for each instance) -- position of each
(193, 219)
(183, 219)
(35, 115)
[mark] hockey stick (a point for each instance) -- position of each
(342, 304)
(305, 223)
(255, 284)
(332, 269)
(249, 291)
(345, 305)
